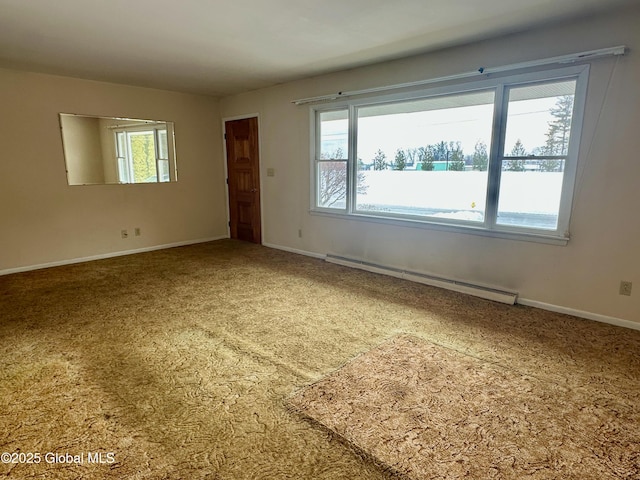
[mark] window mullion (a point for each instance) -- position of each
(496, 152)
(156, 145)
(315, 187)
(352, 161)
(132, 177)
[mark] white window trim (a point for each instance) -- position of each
(558, 237)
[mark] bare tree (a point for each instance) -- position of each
(333, 177)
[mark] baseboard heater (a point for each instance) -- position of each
(488, 293)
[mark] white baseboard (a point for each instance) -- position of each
(295, 250)
(71, 261)
(521, 301)
(580, 313)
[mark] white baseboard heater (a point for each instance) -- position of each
(481, 291)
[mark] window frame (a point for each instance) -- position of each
(125, 175)
(490, 227)
(318, 160)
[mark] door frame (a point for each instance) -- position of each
(226, 169)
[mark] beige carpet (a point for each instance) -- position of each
(430, 412)
(180, 361)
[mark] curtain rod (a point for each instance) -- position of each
(570, 58)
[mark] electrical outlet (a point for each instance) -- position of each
(300, 233)
(124, 234)
(136, 232)
(625, 288)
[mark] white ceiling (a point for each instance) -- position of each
(221, 47)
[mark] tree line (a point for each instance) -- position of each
(557, 142)
(449, 152)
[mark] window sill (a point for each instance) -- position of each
(467, 229)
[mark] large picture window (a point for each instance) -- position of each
(493, 156)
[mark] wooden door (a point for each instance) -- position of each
(243, 167)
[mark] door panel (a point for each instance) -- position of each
(243, 167)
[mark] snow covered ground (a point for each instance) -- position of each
(526, 198)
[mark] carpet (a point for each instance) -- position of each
(430, 412)
(179, 361)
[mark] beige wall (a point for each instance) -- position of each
(44, 220)
(583, 276)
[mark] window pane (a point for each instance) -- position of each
(143, 157)
(163, 167)
(539, 121)
(332, 184)
(120, 144)
(334, 135)
(123, 170)
(163, 151)
(121, 155)
(426, 157)
(332, 159)
(530, 199)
